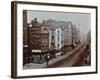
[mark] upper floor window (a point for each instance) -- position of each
(58, 38)
(58, 45)
(45, 29)
(58, 31)
(52, 37)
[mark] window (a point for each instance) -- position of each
(58, 31)
(45, 29)
(58, 38)
(53, 31)
(46, 46)
(52, 38)
(58, 45)
(42, 41)
(38, 36)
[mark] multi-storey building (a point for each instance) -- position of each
(38, 37)
(76, 34)
(55, 38)
(66, 33)
(60, 33)
(34, 36)
(44, 38)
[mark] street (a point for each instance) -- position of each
(75, 57)
(69, 59)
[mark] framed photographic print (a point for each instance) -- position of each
(49, 39)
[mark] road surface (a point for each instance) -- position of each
(69, 59)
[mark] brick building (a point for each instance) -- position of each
(44, 38)
(34, 36)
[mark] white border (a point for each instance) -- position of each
(33, 72)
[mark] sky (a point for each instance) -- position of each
(81, 20)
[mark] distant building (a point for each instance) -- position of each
(88, 37)
(66, 33)
(60, 33)
(55, 38)
(76, 34)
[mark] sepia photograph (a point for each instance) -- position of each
(56, 39)
(50, 39)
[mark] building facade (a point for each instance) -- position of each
(34, 36)
(44, 38)
(55, 38)
(47, 35)
(38, 37)
(60, 33)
